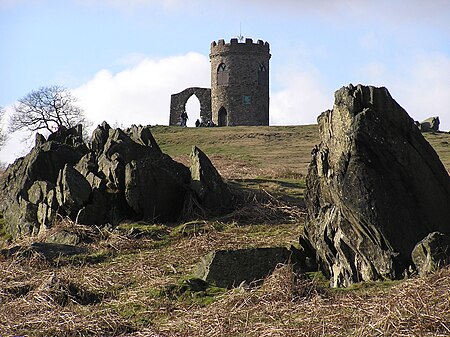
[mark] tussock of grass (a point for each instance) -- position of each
(264, 207)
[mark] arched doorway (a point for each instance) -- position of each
(178, 105)
(222, 117)
(193, 110)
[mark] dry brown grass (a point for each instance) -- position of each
(120, 296)
(286, 306)
(115, 289)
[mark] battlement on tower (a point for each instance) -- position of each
(235, 46)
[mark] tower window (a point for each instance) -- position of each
(262, 75)
(222, 74)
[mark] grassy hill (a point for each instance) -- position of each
(134, 280)
(275, 151)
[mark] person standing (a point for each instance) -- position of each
(184, 118)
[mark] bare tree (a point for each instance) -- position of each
(47, 108)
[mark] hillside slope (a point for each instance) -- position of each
(134, 280)
(271, 151)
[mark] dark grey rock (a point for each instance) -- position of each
(375, 187)
(45, 215)
(207, 183)
(121, 174)
(72, 190)
(63, 237)
(43, 163)
(154, 191)
(432, 253)
(228, 268)
(430, 125)
(143, 135)
(98, 138)
(98, 211)
(87, 164)
(113, 172)
(54, 250)
(40, 139)
(38, 191)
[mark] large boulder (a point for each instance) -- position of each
(375, 187)
(228, 268)
(207, 183)
(432, 253)
(430, 125)
(154, 191)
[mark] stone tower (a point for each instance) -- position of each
(240, 82)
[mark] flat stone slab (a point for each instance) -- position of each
(229, 268)
(53, 250)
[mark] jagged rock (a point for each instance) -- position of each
(87, 164)
(143, 135)
(43, 163)
(375, 187)
(113, 172)
(72, 137)
(207, 183)
(154, 191)
(39, 190)
(72, 190)
(99, 137)
(64, 237)
(228, 268)
(98, 211)
(120, 174)
(45, 216)
(39, 140)
(430, 125)
(432, 253)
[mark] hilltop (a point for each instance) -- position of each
(260, 151)
(134, 280)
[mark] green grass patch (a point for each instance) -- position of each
(196, 227)
(368, 286)
(79, 260)
(155, 231)
(192, 290)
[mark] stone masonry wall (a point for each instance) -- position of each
(178, 104)
(245, 98)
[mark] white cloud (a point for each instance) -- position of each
(141, 94)
(424, 91)
(301, 99)
(17, 144)
(420, 84)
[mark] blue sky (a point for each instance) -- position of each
(123, 59)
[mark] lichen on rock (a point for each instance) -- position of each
(375, 187)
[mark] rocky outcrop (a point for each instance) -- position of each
(27, 189)
(432, 253)
(375, 188)
(118, 174)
